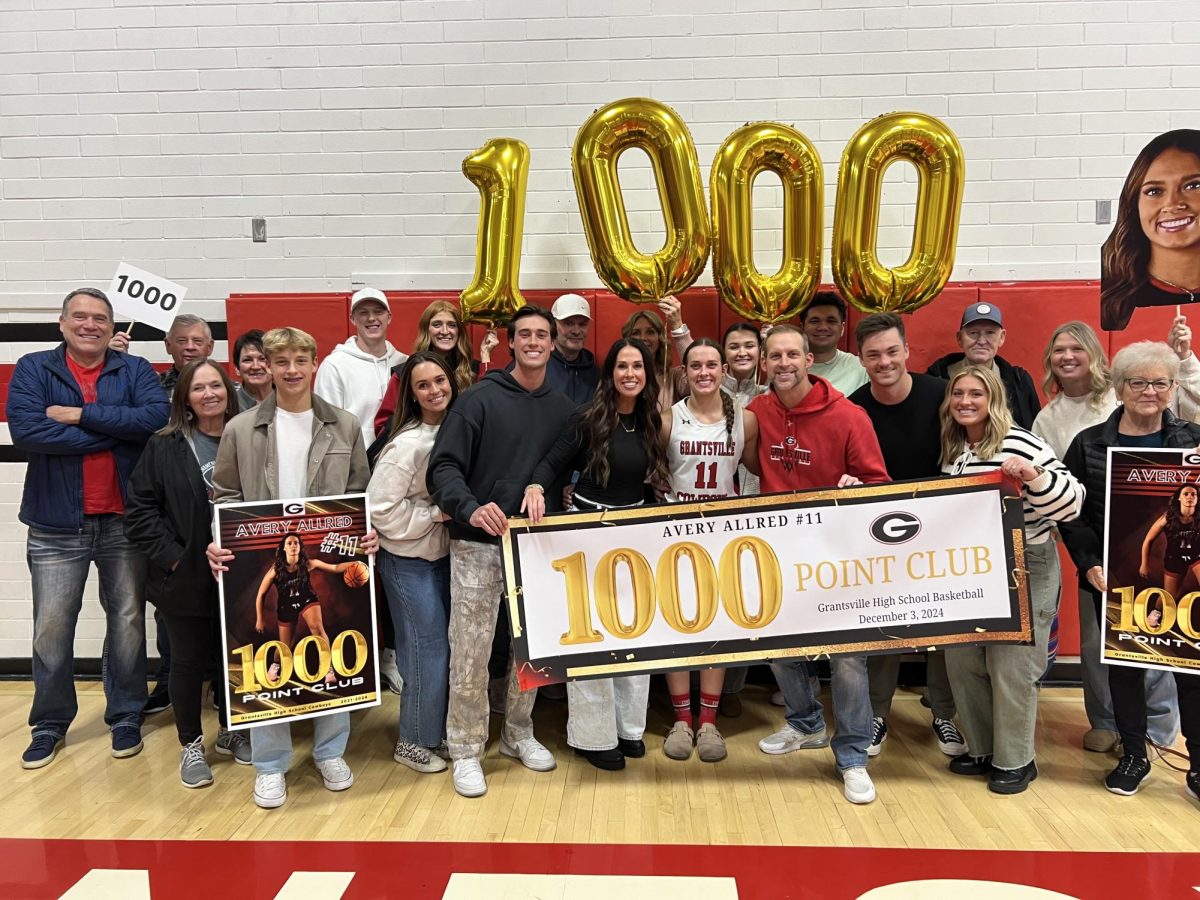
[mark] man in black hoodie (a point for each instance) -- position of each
(572, 367)
(482, 460)
(981, 335)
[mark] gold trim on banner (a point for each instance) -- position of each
(833, 496)
(512, 590)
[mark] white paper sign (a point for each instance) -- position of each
(141, 296)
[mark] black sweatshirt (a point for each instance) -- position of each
(627, 462)
(491, 440)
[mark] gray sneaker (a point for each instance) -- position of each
(235, 744)
(193, 767)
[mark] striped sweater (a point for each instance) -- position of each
(1054, 496)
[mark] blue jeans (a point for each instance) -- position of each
(271, 745)
(418, 595)
(851, 705)
(58, 567)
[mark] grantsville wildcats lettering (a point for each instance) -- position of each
(790, 455)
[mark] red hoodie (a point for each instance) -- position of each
(816, 442)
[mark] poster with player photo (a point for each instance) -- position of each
(297, 609)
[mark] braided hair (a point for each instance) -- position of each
(727, 404)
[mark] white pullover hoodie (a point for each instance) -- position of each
(356, 381)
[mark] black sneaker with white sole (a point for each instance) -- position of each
(878, 735)
(949, 738)
(1128, 776)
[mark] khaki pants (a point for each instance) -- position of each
(476, 590)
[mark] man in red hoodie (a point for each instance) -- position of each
(811, 436)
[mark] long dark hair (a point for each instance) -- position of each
(602, 418)
(182, 418)
(408, 410)
(281, 563)
(727, 404)
(1125, 256)
(1175, 523)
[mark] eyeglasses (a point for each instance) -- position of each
(1139, 385)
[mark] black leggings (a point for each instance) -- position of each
(195, 655)
(1127, 684)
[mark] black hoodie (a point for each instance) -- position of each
(491, 440)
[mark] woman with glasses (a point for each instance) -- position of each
(1144, 379)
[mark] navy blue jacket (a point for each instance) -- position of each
(131, 406)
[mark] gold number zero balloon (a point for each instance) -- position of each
(752, 149)
(662, 134)
(933, 149)
(500, 169)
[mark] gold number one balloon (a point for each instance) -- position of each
(929, 145)
(500, 169)
(662, 134)
(752, 149)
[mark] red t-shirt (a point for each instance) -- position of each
(101, 487)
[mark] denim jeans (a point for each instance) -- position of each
(851, 705)
(271, 745)
(59, 566)
(418, 596)
(1162, 709)
(995, 686)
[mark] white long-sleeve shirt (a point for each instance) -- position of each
(1054, 496)
(408, 522)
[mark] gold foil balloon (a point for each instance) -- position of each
(755, 148)
(930, 146)
(500, 169)
(660, 132)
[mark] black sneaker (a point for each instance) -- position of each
(1193, 785)
(159, 700)
(971, 765)
(949, 738)
(878, 735)
(609, 760)
(1128, 776)
(631, 749)
(41, 750)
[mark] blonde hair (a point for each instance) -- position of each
(999, 423)
(277, 340)
(1100, 377)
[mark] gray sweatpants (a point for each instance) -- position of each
(476, 590)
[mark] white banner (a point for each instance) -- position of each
(871, 569)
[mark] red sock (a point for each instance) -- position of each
(708, 708)
(682, 704)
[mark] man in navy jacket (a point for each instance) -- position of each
(83, 413)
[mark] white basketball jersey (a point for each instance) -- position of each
(703, 458)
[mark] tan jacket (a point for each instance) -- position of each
(246, 460)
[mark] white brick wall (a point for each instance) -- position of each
(153, 132)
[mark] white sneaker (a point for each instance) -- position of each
(418, 758)
(468, 778)
(388, 673)
(335, 773)
(857, 785)
(788, 739)
(270, 790)
(531, 753)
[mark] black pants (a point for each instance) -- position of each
(1127, 684)
(195, 654)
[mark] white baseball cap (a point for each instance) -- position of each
(369, 294)
(570, 305)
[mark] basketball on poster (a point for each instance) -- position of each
(297, 609)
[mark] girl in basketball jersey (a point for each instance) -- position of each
(295, 599)
(707, 435)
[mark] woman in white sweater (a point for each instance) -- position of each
(414, 558)
(995, 686)
(1077, 380)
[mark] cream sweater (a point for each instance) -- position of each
(408, 522)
